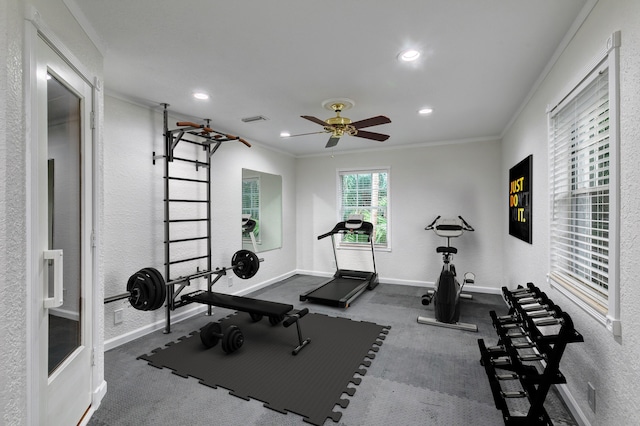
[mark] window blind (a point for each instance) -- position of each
(365, 192)
(251, 197)
(579, 189)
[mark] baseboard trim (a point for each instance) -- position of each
(264, 284)
(98, 394)
(96, 399)
(572, 405)
(176, 317)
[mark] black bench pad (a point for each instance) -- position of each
(238, 303)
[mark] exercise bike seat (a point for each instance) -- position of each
(444, 249)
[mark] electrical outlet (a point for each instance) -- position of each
(117, 316)
(229, 281)
(591, 396)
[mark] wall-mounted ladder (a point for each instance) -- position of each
(208, 140)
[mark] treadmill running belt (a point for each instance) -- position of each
(337, 289)
(347, 284)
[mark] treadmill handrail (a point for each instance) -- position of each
(341, 228)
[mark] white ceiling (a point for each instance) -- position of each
(283, 58)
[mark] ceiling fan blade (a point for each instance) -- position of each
(303, 134)
(371, 135)
(315, 120)
(373, 121)
(333, 141)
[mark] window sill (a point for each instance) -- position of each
(614, 325)
(361, 247)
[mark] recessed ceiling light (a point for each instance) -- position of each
(409, 55)
(425, 111)
(285, 134)
(201, 95)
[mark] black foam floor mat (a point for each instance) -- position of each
(310, 384)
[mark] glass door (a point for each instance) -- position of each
(64, 181)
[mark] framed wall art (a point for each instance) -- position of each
(520, 200)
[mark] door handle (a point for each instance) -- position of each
(56, 257)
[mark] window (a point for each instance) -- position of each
(365, 192)
(583, 189)
(251, 202)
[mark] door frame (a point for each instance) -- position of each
(35, 28)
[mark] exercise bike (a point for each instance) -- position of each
(448, 291)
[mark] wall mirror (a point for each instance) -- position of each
(261, 211)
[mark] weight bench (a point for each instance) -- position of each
(277, 312)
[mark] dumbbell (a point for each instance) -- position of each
(232, 338)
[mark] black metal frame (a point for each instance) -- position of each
(210, 142)
(534, 334)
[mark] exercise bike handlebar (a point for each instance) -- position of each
(430, 226)
(467, 227)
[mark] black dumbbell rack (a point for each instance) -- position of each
(525, 362)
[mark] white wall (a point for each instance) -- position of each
(610, 364)
(13, 239)
(447, 180)
(134, 233)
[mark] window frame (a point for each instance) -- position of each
(607, 312)
(363, 170)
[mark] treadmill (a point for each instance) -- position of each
(346, 285)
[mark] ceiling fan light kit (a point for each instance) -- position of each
(409, 55)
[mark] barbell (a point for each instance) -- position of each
(147, 289)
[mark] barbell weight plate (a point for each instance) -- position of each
(139, 298)
(160, 288)
(245, 264)
(210, 334)
(233, 339)
(131, 281)
(150, 286)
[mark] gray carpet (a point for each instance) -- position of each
(422, 375)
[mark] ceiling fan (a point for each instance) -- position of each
(339, 126)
